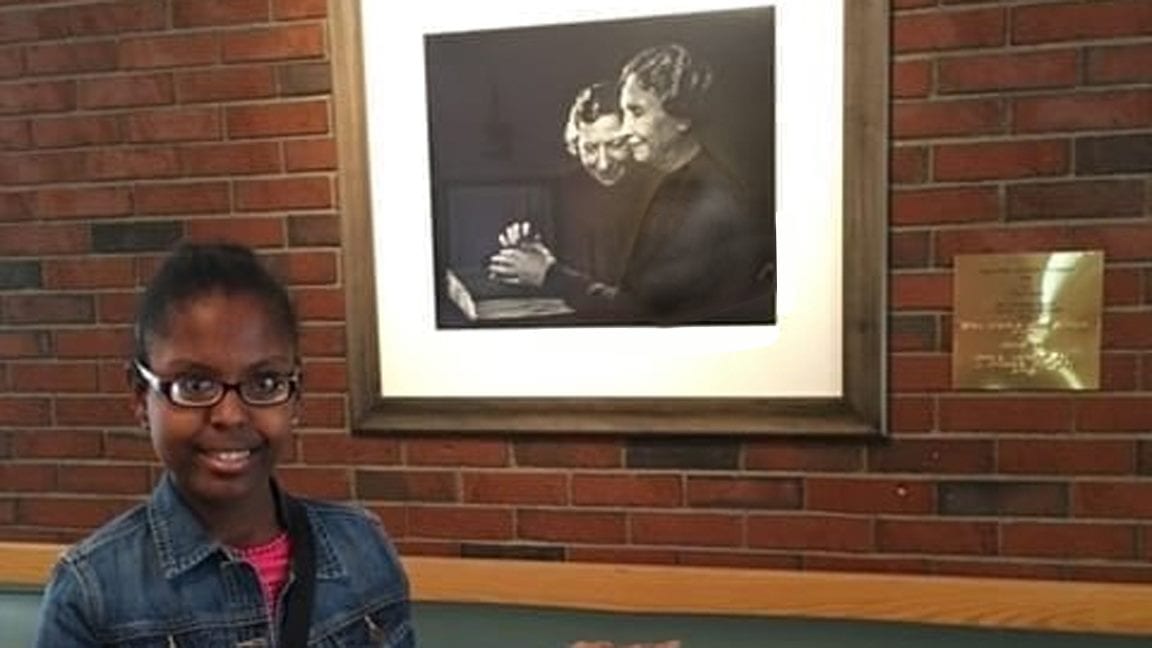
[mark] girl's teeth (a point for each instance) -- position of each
(234, 455)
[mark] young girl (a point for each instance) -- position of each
(220, 555)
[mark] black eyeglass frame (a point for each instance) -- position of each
(164, 388)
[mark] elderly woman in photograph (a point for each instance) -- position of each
(701, 254)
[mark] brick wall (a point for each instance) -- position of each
(1018, 125)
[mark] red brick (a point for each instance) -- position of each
(343, 449)
(117, 272)
(16, 206)
(37, 97)
(920, 373)
(322, 340)
(936, 537)
(66, 512)
(169, 51)
(56, 444)
(282, 194)
(126, 91)
(43, 168)
(300, 118)
(985, 414)
(1084, 111)
(626, 490)
(694, 529)
(1085, 199)
(304, 268)
(1065, 457)
(201, 13)
(116, 307)
(911, 79)
(230, 159)
(462, 523)
(1001, 160)
(943, 30)
(456, 452)
(846, 495)
(1068, 540)
(1074, 21)
(915, 119)
(931, 456)
(15, 135)
(253, 232)
(22, 344)
(515, 488)
(277, 43)
(910, 250)
(911, 415)
(117, 17)
(310, 155)
(326, 375)
(183, 198)
(122, 479)
(1121, 286)
(93, 343)
(23, 411)
(1119, 242)
(114, 164)
(33, 25)
(398, 485)
(129, 447)
(810, 532)
(1119, 372)
(27, 477)
(921, 291)
(323, 412)
(1120, 64)
(313, 229)
(800, 455)
(1015, 71)
(950, 205)
(319, 304)
(42, 308)
(909, 164)
(173, 125)
(225, 84)
(76, 131)
(317, 483)
(569, 453)
(1127, 330)
(744, 493)
(95, 411)
(296, 9)
(87, 202)
(11, 62)
(1114, 414)
(571, 526)
(37, 239)
(70, 57)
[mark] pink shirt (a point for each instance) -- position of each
(271, 561)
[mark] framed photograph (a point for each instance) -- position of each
(658, 219)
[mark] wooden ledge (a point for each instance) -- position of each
(978, 602)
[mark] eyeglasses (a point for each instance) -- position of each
(263, 389)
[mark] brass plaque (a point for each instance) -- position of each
(1027, 321)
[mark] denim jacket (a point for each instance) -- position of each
(153, 577)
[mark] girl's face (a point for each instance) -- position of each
(222, 454)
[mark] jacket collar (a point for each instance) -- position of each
(182, 542)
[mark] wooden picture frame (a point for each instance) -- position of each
(858, 409)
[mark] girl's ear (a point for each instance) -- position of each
(139, 396)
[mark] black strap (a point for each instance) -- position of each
(298, 608)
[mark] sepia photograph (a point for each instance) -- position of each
(607, 173)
